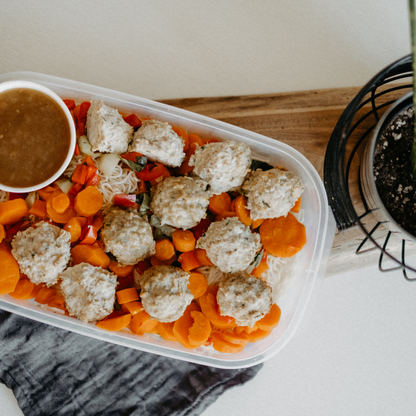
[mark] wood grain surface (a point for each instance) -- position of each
(304, 120)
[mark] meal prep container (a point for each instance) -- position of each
(310, 262)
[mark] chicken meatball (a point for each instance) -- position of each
(42, 252)
(127, 236)
(106, 129)
(230, 245)
(181, 201)
(271, 194)
(245, 298)
(88, 291)
(224, 165)
(164, 292)
(159, 142)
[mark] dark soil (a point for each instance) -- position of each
(394, 182)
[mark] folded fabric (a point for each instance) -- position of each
(56, 372)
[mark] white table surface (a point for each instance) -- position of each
(356, 354)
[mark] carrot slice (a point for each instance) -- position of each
(13, 211)
(164, 249)
(194, 138)
(121, 271)
(256, 223)
(184, 134)
(116, 323)
(224, 346)
(92, 254)
(197, 284)
(183, 240)
(220, 203)
(38, 208)
(209, 307)
(132, 307)
(188, 261)
(9, 270)
(23, 289)
(55, 216)
(45, 295)
(88, 202)
(127, 295)
(182, 326)
(200, 329)
(261, 268)
(257, 335)
(165, 330)
(60, 203)
(201, 255)
(232, 336)
(283, 236)
(74, 227)
(271, 319)
(296, 207)
(142, 323)
(242, 211)
(2, 232)
(80, 174)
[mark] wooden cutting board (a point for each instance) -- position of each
(303, 120)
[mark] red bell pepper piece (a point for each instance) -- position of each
(149, 173)
(133, 121)
(125, 200)
(70, 104)
(88, 235)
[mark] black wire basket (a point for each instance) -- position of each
(342, 167)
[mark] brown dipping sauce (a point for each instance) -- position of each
(34, 137)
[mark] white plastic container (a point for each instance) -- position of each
(311, 261)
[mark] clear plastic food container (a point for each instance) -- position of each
(303, 283)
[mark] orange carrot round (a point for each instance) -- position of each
(127, 295)
(220, 203)
(92, 254)
(188, 261)
(13, 210)
(142, 323)
(121, 271)
(2, 232)
(224, 346)
(183, 240)
(88, 202)
(283, 236)
(45, 295)
(296, 207)
(257, 335)
(132, 307)
(242, 211)
(164, 249)
(182, 133)
(271, 319)
(201, 255)
(23, 289)
(256, 223)
(182, 326)
(9, 270)
(194, 138)
(60, 203)
(197, 284)
(74, 227)
(200, 329)
(38, 209)
(59, 218)
(165, 330)
(232, 336)
(116, 323)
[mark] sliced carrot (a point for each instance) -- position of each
(23, 289)
(197, 284)
(116, 323)
(9, 269)
(224, 346)
(92, 254)
(127, 295)
(164, 249)
(184, 134)
(59, 218)
(256, 223)
(185, 168)
(194, 138)
(188, 261)
(220, 203)
(74, 227)
(283, 236)
(165, 330)
(142, 323)
(133, 121)
(200, 329)
(57, 301)
(98, 220)
(2, 232)
(132, 307)
(45, 295)
(70, 104)
(182, 326)
(225, 214)
(232, 336)
(60, 203)
(13, 211)
(183, 240)
(48, 192)
(261, 268)
(209, 307)
(257, 335)
(38, 208)
(84, 107)
(271, 320)
(202, 257)
(242, 211)
(88, 202)
(121, 271)
(296, 207)
(80, 174)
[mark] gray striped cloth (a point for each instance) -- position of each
(55, 372)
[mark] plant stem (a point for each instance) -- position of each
(413, 38)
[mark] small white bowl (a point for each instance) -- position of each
(9, 85)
